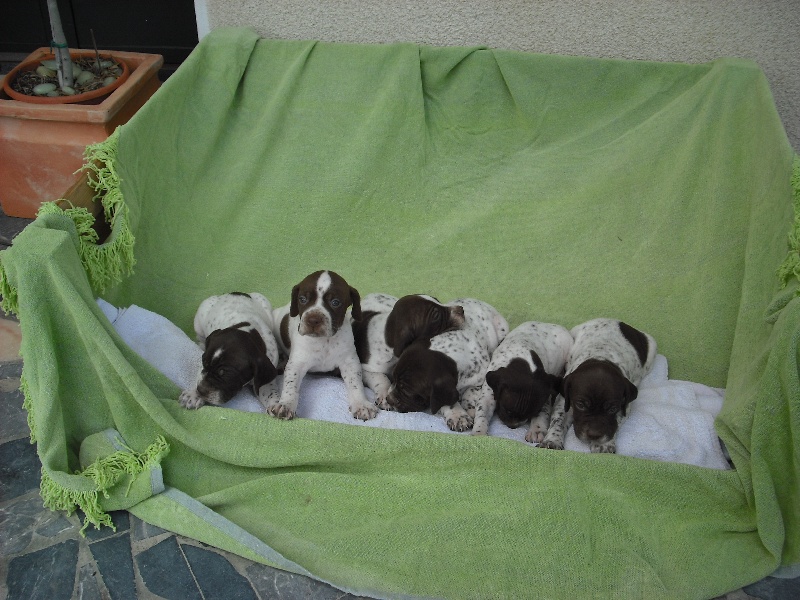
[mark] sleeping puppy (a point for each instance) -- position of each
(523, 377)
(388, 326)
(316, 332)
(239, 349)
(607, 362)
(444, 374)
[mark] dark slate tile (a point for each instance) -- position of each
(118, 517)
(19, 469)
(274, 584)
(47, 574)
(114, 560)
(54, 524)
(164, 571)
(216, 576)
(13, 418)
(89, 585)
(10, 369)
(142, 530)
(774, 588)
(17, 521)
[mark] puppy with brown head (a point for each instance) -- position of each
(316, 332)
(607, 362)
(523, 377)
(388, 326)
(445, 374)
(239, 349)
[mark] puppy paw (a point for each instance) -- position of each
(460, 423)
(365, 411)
(382, 403)
(281, 411)
(604, 448)
(551, 445)
(190, 399)
(534, 436)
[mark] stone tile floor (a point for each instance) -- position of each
(42, 554)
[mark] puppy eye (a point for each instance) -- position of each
(221, 372)
(612, 410)
(335, 303)
(580, 405)
(437, 316)
(302, 299)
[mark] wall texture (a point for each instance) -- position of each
(766, 31)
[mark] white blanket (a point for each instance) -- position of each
(669, 421)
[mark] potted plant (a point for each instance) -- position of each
(43, 134)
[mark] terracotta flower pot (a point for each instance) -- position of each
(42, 145)
(31, 65)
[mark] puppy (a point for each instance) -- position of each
(444, 374)
(388, 326)
(239, 349)
(607, 362)
(315, 331)
(523, 377)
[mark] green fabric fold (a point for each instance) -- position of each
(105, 483)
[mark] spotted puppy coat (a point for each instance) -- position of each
(523, 377)
(388, 326)
(316, 332)
(239, 349)
(445, 374)
(607, 362)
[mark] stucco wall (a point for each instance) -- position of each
(767, 31)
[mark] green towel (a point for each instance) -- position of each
(556, 188)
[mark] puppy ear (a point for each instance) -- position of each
(398, 337)
(565, 391)
(293, 308)
(493, 379)
(631, 393)
(263, 369)
(356, 302)
(443, 393)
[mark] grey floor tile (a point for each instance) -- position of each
(115, 562)
(89, 585)
(17, 522)
(217, 578)
(773, 588)
(141, 530)
(120, 520)
(47, 574)
(274, 584)
(13, 418)
(165, 572)
(19, 469)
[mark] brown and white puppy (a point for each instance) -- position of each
(607, 362)
(239, 349)
(388, 326)
(316, 332)
(444, 374)
(523, 377)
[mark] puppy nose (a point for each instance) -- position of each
(314, 319)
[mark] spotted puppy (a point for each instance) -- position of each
(444, 374)
(523, 377)
(607, 362)
(239, 349)
(388, 326)
(316, 332)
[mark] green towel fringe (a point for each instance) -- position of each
(105, 472)
(106, 263)
(791, 265)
